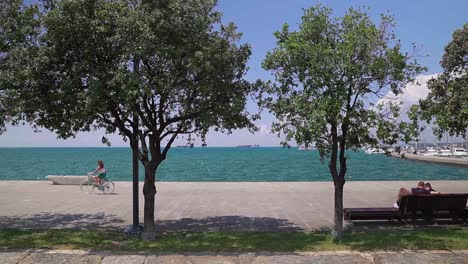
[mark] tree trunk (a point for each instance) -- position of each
(338, 230)
(338, 177)
(136, 210)
(149, 192)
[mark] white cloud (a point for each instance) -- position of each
(411, 93)
(264, 130)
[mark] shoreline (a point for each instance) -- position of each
(253, 182)
(459, 162)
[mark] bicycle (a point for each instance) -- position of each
(105, 186)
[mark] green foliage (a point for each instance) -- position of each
(327, 75)
(397, 240)
(447, 101)
(96, 63)
(17, 31)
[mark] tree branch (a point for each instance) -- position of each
(143, 117)
(188, 116)
(169, 143)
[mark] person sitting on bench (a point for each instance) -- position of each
(401, 193)
(420, 189)
(428, 188)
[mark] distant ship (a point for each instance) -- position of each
(248, 146)
(305, 148)
(186, 146)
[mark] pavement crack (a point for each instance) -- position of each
(28, 253)
(371, 258)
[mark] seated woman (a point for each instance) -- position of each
(429, 189)
(401, 193)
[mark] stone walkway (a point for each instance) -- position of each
(198, 206)
(75, 256)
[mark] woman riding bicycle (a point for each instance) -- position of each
(100, 171)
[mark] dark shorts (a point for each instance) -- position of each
(101, 175)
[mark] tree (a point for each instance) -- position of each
(327, 75)
(16, 31)
(172, 64)
(447, 101)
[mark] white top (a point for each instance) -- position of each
(100, 170)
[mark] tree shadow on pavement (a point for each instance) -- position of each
(104, 221)
(228, 223)
(51, 220)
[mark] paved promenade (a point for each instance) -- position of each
(207, 206)
(407, 257)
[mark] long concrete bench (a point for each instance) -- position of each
(66, 179)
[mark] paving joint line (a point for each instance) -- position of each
(28, 253)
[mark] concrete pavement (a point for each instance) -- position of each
(197, 206)
(347, 257)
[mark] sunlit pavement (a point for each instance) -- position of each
(55, 257)
(199, 206)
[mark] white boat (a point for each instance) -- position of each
(248, 146)
(375, 151)
(444, 153)
(431, 152)
(459, 152)
(305, 148)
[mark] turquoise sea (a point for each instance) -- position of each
(217, 164)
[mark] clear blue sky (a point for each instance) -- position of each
(428, 23)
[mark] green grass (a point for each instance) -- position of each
(423, 239)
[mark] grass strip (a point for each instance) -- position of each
(425, 239)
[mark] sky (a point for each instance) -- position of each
(427, 23)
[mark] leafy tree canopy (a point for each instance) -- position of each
(447, 102)
(97, 62)
(328, 74)
(17, 31)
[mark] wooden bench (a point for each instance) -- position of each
(378, 213)
(432, 206)
(423, 206)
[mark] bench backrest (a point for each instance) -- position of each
(453, 201)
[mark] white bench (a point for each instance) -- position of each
(66, 179)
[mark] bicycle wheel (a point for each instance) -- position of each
(87, 186)
(107, 187)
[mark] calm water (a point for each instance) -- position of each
(216, 164)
